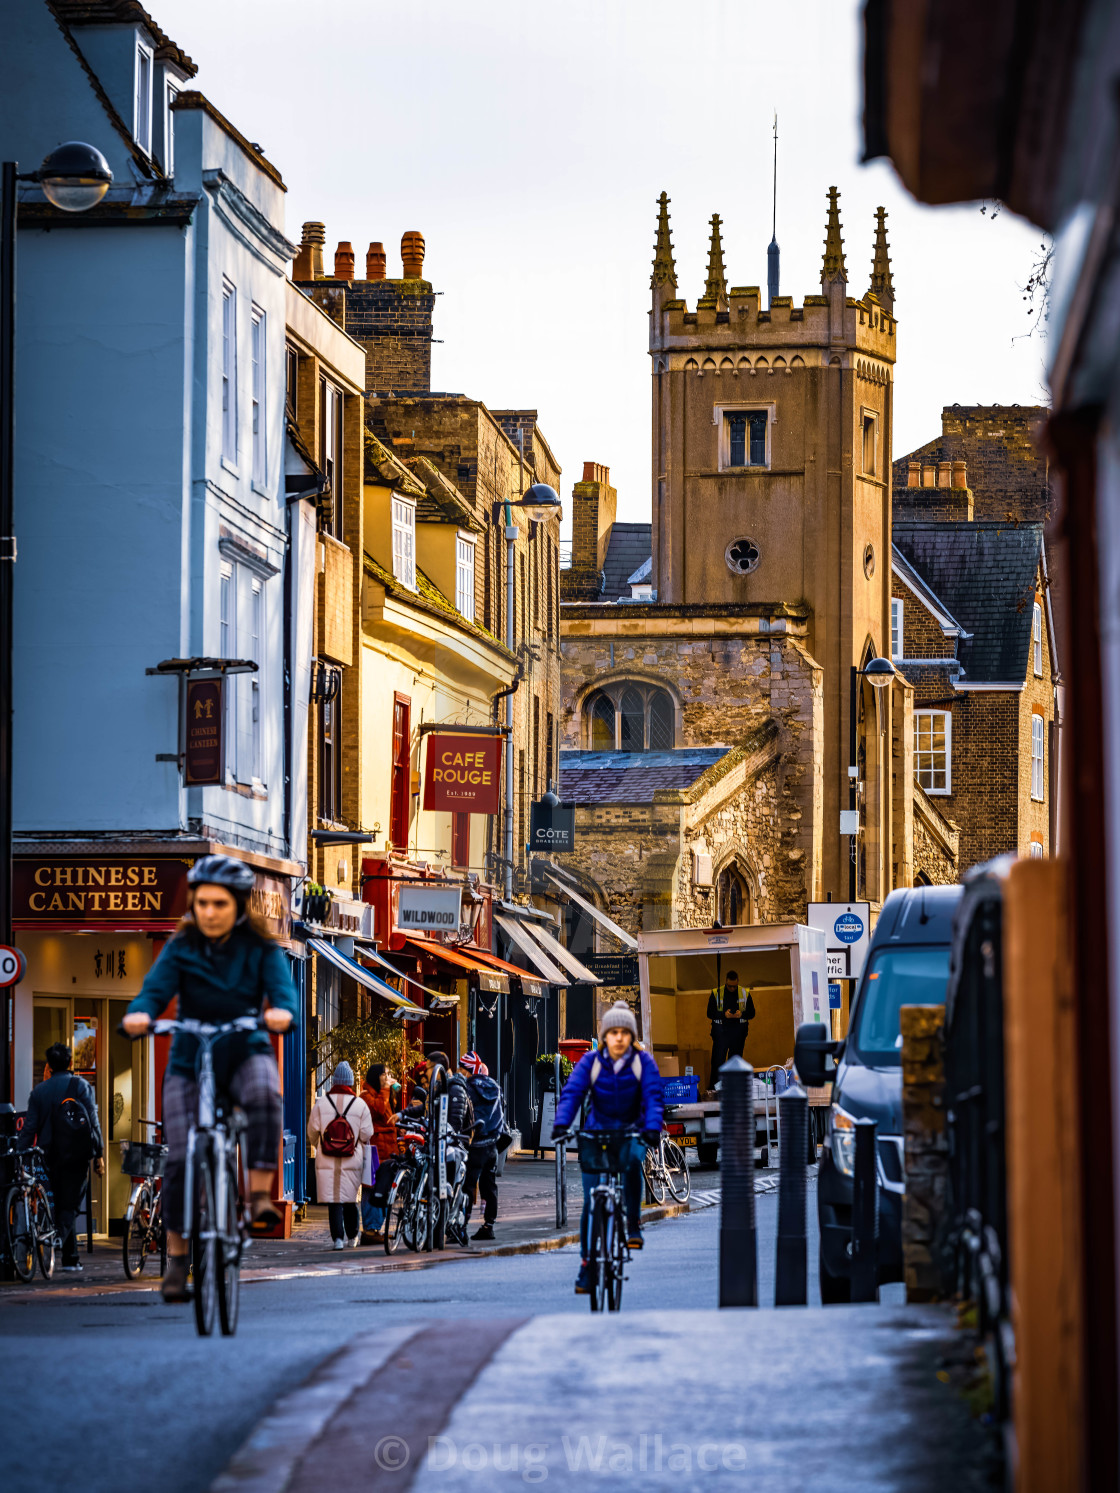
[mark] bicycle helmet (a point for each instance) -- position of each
(223, 870)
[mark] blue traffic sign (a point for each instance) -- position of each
(849, 928)
(834, 993)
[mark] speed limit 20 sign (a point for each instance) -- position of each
(13, 966)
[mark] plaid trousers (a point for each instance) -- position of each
(255, 1088)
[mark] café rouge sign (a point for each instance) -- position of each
(462, 773)
(148, 889)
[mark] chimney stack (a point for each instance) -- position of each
(344, 261)
(309, 261)
(412, 254)
(375, 262)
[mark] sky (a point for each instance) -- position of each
(528, 140)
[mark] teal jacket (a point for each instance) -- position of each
(215, 983)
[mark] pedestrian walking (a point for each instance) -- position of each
(730, 1012)
(340, 1128)
(377, 1091)
(62, 1121)
(486, 1143)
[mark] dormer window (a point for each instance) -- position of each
(142, 120)
(464, 575)
(404, 541)
(170, 94)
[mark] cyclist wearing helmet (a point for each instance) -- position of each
(222, 963)
(624, 1089)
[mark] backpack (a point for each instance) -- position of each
(338, 1138)
(71, 1132)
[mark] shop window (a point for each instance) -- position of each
(401, 772)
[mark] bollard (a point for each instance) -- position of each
(790, 1278)
(865, 1215)
(561, 1159)
(738, 1249)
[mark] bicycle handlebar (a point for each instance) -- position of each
(201, 1029)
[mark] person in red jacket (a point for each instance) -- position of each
(377, 1091)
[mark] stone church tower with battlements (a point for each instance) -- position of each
(768, 579)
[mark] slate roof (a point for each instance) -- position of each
(984, 574)
(628, 548)
(429, 598)
(631, 777)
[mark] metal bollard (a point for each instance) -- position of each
(561, 1159)
(865, 1215)
(790, 1284)
(738, 1246)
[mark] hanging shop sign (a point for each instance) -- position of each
(613, 969)
(271, 899)
(429, 909)
(204, 758)
(462, 773)
(101, 889)
(552, 827)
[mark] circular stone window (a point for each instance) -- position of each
(869, 561)
(742, 556)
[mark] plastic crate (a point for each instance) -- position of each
(683, 1090)
(143, 1159)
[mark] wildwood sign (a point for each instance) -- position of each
(462, 773)
(103, 889)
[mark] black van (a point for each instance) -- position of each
(907, 965)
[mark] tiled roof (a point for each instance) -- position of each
(443, 502)
(124, 12)
(627, 549)
(429, 598)
(631, 777)
(984, 574)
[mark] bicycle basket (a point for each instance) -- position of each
(143, 1159)
(603, 1150)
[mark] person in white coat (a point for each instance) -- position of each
(340, 1128)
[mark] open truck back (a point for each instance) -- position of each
(783, 966)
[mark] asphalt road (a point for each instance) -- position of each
(116, 1391)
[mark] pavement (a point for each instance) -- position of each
(526, 1224)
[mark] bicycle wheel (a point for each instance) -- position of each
(439, 1223)
(161, 1232)
(599, 1260)
(20, 1232)
(43, 1222)
(676, 1172)
(229, 1252)
(616, 1254)
(396, 1213)
(134, 1243)
(654, 1174)
(204, 1245)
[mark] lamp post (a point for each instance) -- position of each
(73, 177)
(878, 673)
(541, 502)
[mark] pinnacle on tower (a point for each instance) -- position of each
(664, 268)
(882, 281)
(715, 291)
(833, 267)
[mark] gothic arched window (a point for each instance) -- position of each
(630, 717)
(733, 898)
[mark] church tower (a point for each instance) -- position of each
(772, 433)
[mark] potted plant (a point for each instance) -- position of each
(546, 1071)
(316, 903)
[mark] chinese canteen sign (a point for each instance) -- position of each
(462, 773)
(106, 889)
(203, 754)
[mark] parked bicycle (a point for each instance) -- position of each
(29, 1227)
(145, 1234)
(604, 1154)
(214, 1205)
(666, 1172)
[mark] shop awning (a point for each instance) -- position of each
(531, 985)
(364, 976)
(489, 979)
(532, 950)
(439, 999)
(556, 950)
(600, 917)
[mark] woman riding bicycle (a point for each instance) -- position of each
(624, 1089)
(222, 963)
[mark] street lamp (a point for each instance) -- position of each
(74, 177)
(541, 503)
(879, 672)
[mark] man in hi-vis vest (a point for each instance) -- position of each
(730, 1013)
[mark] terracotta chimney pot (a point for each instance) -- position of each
(944, 473)
(929, 476)
(412, 254)
(960, 474)
(913, 474)
(344, 261)
(375, 262)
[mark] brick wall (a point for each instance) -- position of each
(1006, 472)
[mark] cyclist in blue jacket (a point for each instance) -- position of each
(624, 1091)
